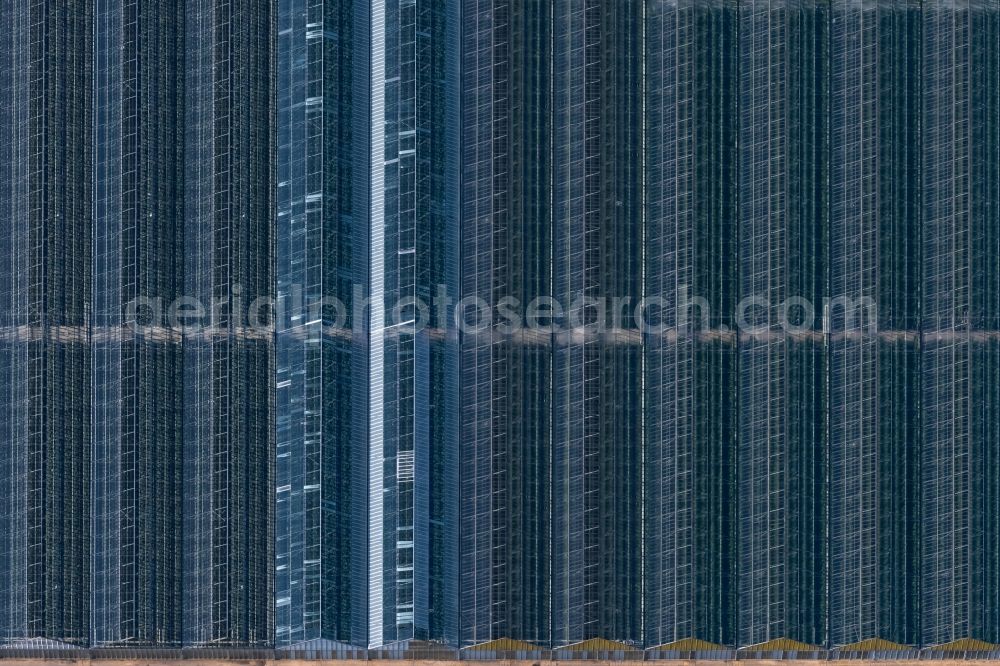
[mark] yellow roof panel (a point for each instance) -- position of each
(965, 645)
(873, 645)
(596, 644)
(504, 645)
(782, 645)
(690, 644)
